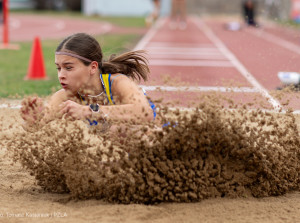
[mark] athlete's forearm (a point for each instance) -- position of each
(133, 113)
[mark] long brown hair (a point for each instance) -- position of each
(134, 64)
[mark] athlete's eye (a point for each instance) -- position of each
(58, 68)
(69, 68)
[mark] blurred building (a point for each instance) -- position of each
(275, 9)
(46, 4)
(21, 4)
(123, 7)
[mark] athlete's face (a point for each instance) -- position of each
(72, 73)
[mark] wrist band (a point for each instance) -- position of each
(95, 108)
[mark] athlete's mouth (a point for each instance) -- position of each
(64, 85)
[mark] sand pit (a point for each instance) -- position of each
(229, 178)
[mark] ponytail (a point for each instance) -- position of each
(133, 64)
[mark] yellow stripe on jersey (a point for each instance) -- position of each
(105, 78)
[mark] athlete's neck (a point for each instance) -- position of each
(93, 89)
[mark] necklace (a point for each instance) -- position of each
(90, 96)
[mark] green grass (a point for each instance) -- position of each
(14, 65)
(289, 23)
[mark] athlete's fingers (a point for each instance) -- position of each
(70, 109)
(66, 103)
(30, 104)
(24, 116)
(33, 101)
(69, 106)
(23, 110)
(63, 105)
(62, 109)
(66, 107)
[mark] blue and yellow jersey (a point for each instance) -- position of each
(107, 81)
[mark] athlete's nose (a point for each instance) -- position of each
(61, 75)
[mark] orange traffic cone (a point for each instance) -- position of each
(36, 69)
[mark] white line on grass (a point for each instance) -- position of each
(239, 66)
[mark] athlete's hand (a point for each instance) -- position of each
(75, 111)
(32, 110)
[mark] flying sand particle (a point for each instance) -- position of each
(210, 152)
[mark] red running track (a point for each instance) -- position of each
(26, 27)
(206, 58)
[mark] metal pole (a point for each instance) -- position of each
(5, 22)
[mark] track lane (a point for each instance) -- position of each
(184, 60)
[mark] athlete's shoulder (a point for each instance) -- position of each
(58, 97)
(61, 94)
(118, 77)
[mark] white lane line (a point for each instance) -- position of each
(239, 66)
(198, 89)
(190, 63)
(14, 23)
(150, 34)
(106, 27)
(184, 53)
(60, 25)
(175, 44)
(187, 57)
(183, 49)
(10, 106)
(276, 40)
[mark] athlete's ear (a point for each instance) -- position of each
(94, 68)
